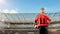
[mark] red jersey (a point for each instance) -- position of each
(43, 20)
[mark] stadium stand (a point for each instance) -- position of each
(16, 22)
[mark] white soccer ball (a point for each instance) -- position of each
(36, 26)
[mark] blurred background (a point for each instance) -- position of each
(18, 16)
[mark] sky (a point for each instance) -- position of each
(29, 6)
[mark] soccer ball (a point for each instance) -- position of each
(36, 26)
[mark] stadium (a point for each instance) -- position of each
(22, 23)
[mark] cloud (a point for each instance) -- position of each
(8, 11)
(13, 11)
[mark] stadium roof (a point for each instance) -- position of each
(25, 17)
